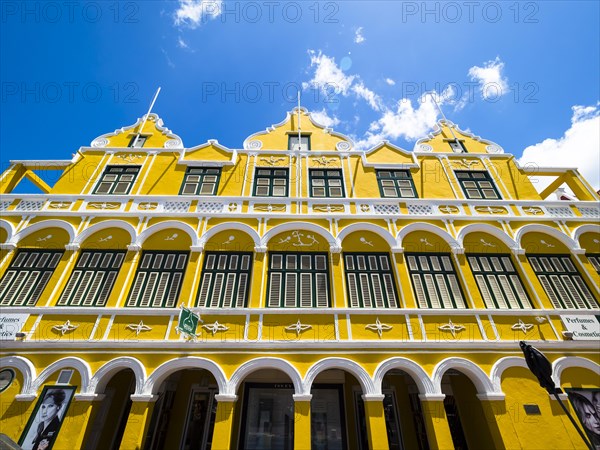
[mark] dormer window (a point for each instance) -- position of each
(457, 146)
(301, 142)
(139, 143)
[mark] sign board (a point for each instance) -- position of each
(584, 328)
(10, 325)
(188, 322)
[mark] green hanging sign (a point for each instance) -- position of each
(188, 322)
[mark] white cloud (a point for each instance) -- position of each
(193, 13)
(368, 95)
(492, 84)
(181, 43)
(359, 38)
(328, 76)
(578, 147)
(407, 120)
(390, 81)
(323, 118)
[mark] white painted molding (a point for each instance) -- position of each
(301, 226)
(423, 226)
(499, 396)
(366, 383)
(501, 365)
(70, 362)
(161, 373)
(566, 362)
(432, 397)
(8, 246)
(134, 247)
(27, 370)
(302, 397)
(364, 227)
(226, 398)
(25, 397)
(588, 228)
(545, 229)
(10, 229)
(105, 373)
(72, 247)
(144, 398)
(372, 397)
(261, 364)
(487, 229)
(175, 224)
(51, 223)
(105, 224)
(89, 397)
(227, 226)
(478, 377)
(416, 372)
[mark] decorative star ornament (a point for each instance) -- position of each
(138, 328)
(65, 327)
(215, 328)
(378, 327)
(520, 325)
(298, 327)
(452, 328)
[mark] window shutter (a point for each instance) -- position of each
(275, 289)
(497, 292)
(353, 292)
(562, 292)
(95, 286)
(485, 293)
(242, 289)
(573, 290)
(548, 288)
(27, 286)
(365, 291)
(229, 286)
(305, 290)
(216, 291)
(431, 291)
(161, 289)
(149, 289)
(455, 287)
(419, 291)
(106, 289)
(174, 290)
(137, 289)
(322, 294)
(586, 292)
(204, 289)
(290, 290)
(377, 291)
(390, 290)
(445, 295)
(512, 300)
(40, 286)
(520, 291)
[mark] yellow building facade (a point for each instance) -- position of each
(348, 299)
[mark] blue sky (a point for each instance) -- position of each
(523, 74)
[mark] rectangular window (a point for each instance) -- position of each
(434, 281)
(92, 279)
(271, 182)
(498, 282)
(457, 146)
(117, 180)
(396, 183)
(139, 142)
(298, 280)
(562, 282)
(158, 279)
(298, 144)
(477, 184)
(200, 181)
(326, 183)
(225, 280)
(594, 261)
(27, 276)
(370, 280)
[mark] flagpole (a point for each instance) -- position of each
(299, 127)
(146, 118)
(443, 116)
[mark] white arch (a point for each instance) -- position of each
(154, 381)
(52, 223)
(70, 362)
(366, 383)
(501, 365)
(24, 366)
(538, 228)
(302, 226)
(488, 229)
(104, 225)
(587, 228)
(364, 226)
(165, 225)
(422, 226)
(10, 229)
(231, 226)
(416, 372)
(566, 362)
(482, 382)
(108, 370)
(264, 364)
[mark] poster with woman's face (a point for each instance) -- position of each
(586, 403)
(45, 422)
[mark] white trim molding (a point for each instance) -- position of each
(161, 373)
(52, 223)
(265, 363)
(26, 368)
(416, 372)
(478, 377)
(144, 235)
(105, 373)
(347, 365)
(567, 362)
(567, 241)
(70, 362)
